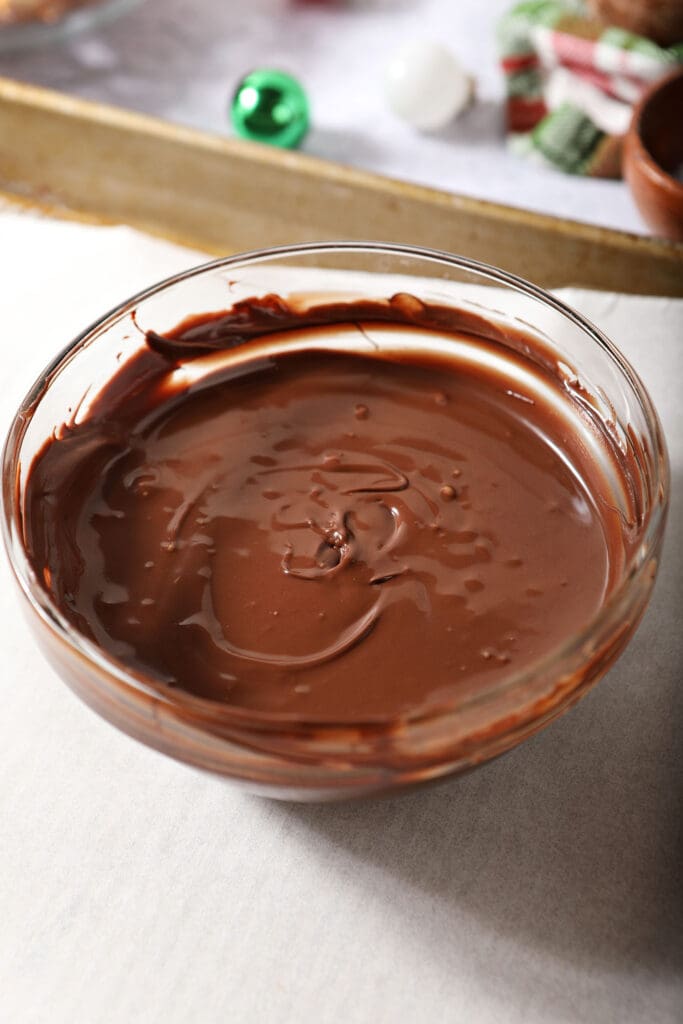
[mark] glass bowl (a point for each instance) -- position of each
(278, 754)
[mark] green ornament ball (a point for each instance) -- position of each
(270, 106)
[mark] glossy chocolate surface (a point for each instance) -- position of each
(332, 531)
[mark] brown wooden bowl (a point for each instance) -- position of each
(659, 20)
(653, 154)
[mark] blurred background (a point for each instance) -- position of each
(182, 61)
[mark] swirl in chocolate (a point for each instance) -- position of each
(344, 511)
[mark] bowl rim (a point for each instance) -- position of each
(652, 168)
(143, 685)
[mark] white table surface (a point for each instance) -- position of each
(544, 888)
(181, 60)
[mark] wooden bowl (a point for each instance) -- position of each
(653, 156)
(660, 20)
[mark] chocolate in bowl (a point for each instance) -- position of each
(368, 516)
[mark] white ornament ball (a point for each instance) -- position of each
(426, 86)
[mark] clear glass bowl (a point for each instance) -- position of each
(276, 754)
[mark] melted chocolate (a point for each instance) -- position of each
(331, 532)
